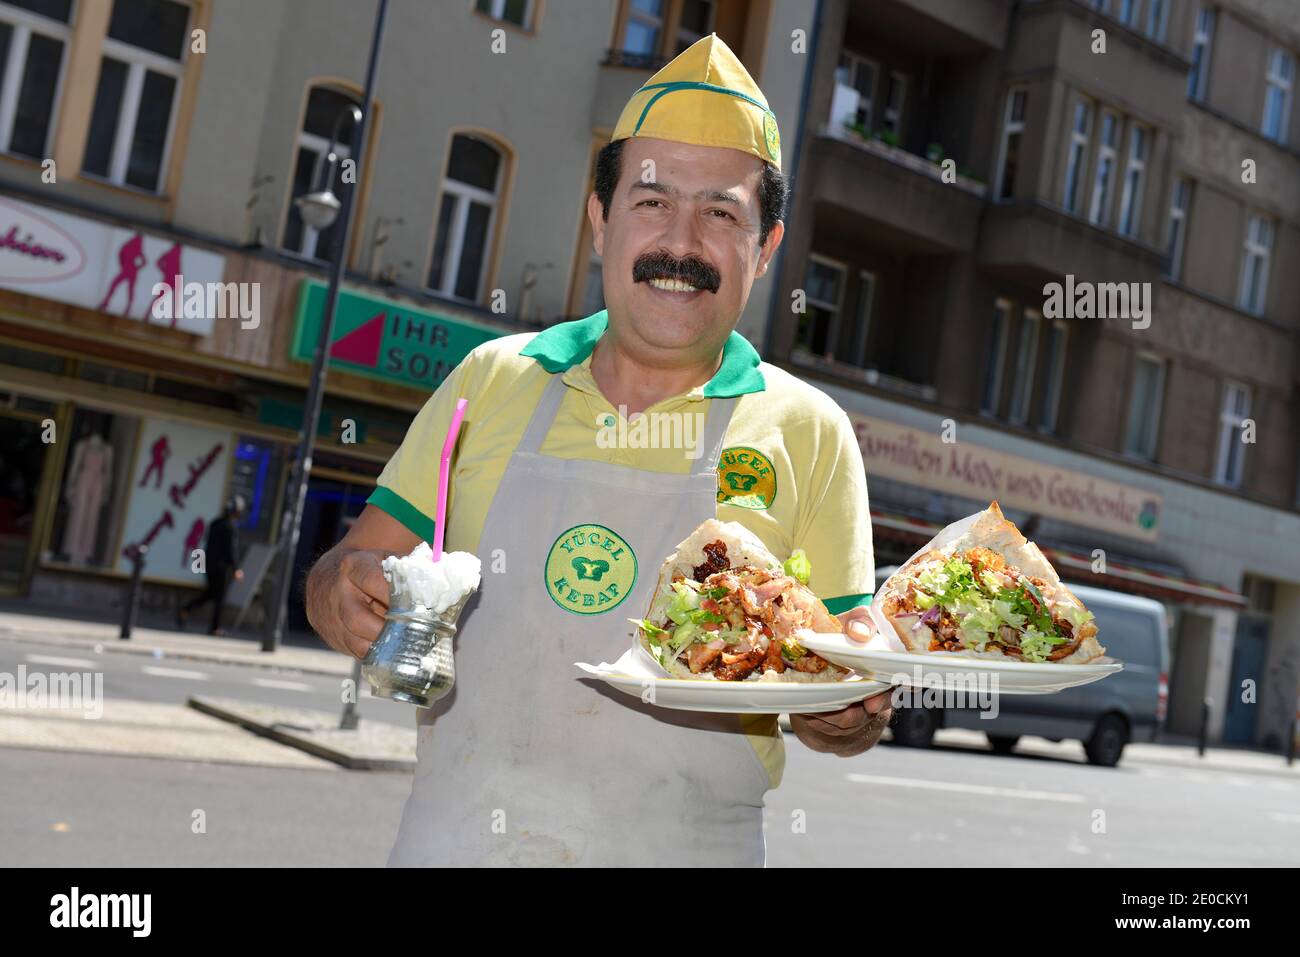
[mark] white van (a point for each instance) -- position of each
(1105, 715)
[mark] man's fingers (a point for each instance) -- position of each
(359, 619)
(844, 721)
(365, 572)
(858, 631)
(878, 702)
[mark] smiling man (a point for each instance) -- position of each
(524, 763)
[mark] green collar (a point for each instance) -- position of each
(568, 343)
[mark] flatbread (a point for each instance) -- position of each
(992, 530)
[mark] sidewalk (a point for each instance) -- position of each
(160, 643)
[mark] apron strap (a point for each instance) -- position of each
(543, 415)
(548, 406)
(715, 432)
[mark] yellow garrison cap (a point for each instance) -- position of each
(705, 96)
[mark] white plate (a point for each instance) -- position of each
(949, 670)
(630, 676)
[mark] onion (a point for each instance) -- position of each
(912, 617)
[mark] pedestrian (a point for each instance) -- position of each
(221, 561)
(528, 765)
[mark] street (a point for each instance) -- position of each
(951, 805)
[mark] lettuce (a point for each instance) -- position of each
(685, 600)
(797, 566)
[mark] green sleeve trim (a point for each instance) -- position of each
(838, 606)
(389, 501)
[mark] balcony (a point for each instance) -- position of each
(902, 194)
(1032, 243)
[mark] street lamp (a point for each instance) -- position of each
(319, 210)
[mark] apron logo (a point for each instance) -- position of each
(746, 478)
(590, 569)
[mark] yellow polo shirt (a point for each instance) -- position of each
(790, 471)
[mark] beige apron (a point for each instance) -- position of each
(528, 761)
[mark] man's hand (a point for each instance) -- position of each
(239, 574)
(858, 727)
(347, 594)
(848, 731)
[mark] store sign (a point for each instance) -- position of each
(959, 468)
(177, 487)
(85, 263)
(384, 339)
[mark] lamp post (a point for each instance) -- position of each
(319, 210)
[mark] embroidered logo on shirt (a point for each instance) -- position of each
(771, 138)
(746, 478)
(590, 569)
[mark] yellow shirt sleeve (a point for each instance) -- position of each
(834, 527)
(407, 489)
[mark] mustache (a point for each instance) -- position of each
(691, 269)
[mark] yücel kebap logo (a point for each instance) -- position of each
(746, 478)
(590, 569)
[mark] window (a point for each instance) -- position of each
(1178, 205)
(466, 218)
(32, 41)
(696, 22)
(1130, 207)
(1102, 182)
(1078, 161)
(1157, 15)
(1277, 95)
(518, 12)
(1056, 342)
(1143, 431)
(866, 298)
(1254, 265)
(1026, 351)
(1232, 451)
(824, 286)
(329, 116)
(1102, 6)
(645, 23)
(131, 120)
(997, 357)
(1128, 12)
(891, 117)
(1198, 77)
(859, 74)
(1012, 132)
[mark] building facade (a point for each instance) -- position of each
(1038, 250)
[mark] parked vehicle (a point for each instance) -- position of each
(1105, 715)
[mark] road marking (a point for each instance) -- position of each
(287, 685)
(174, 673)
(967, 788)
(56, 660)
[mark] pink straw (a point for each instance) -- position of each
(444, 469)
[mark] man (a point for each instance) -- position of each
(524, 763)
(221, 561)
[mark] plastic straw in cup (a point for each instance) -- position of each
(444, 469)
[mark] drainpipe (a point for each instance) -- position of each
(802, 130)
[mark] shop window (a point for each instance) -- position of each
(30, 359)
(135, 101)
(256, 476)
(328, 117)
(113, 376)
(93, 489)
(33, 38)
(466, 217)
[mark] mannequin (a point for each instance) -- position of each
(86, 489)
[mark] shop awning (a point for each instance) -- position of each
(1120, 575)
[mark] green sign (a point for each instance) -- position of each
(384, 339)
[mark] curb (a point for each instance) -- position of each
(296, 736)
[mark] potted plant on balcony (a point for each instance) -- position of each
(934, 152)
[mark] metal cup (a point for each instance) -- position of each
(411, 660)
